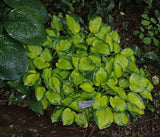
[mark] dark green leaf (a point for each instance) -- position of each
(152, 56)
(33, 5)
(136, 50)
(26, 27)
(13, 59)
(35, 105)
(147, 40)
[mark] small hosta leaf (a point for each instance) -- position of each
(87, 86)
(118, 104)
(63, 45)
(46, 55)
(147, 40)
(72, 24)
(121, 119)
(64, 64)
(146, 94)
(86, 64)
(81, 120)
(34, 51)
(40, 63)
(103, 118)
(68, 116)
(136, 100)
(115, 36)
(100, 102)
(56, 23)
(135, 110)
(54, 98)
(55, 84)
(123, 83)
(56, 115)
(40, 92)
(95, 24)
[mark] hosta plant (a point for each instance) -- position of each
(86, 76)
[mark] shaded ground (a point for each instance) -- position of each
(19, 121)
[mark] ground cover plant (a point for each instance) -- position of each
(36, 94)
(75, 66)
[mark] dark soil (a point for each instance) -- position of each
(19, 121)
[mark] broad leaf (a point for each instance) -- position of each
(34, 51)
(100, 47)
(64, 64)
(35, 105)
(100, 76)
(54, 98)
(136, 50)
(100, 102)
(87, 86)
(115, 36)
(123, 83)
(33, 5)
(30, 78)
(81, 120)
(67, 88)
(25, 26)
(118, 104)
(54, 83)
(95, 24)
(127, 52)
(109, 65)
(136, 100)
(146, 94)
(46, 55)
(72, 24)
(45, 103)
(68, 116)
(63, 45)
(86, 64)
(40, 92)
(103, 118)
(56, 115)
(121, 119)
(56, 23)
(40, 63)
(77, 77)
(134, 110)
(147, 40)
(46, 74)
(13, 59)
(138, 82)
(152, 56)
(109, 41)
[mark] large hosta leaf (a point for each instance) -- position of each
(72, 24)
(68, 116)
(103, 118)
(118, 104)
(33, 5)
(26, 27)
(136, 100)
(13, 59)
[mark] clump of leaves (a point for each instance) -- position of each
(86, 76)
(149, 31)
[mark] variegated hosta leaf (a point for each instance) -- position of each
(118, 104)
(75, 61)
(134, 110)
(77, 38)
(100, 102)
(102, 33)
(40, 92)
(55, 83)
(64, 64)
(136, 100)
(86, 64)
(68, 116)
(121, 119)
(95, 24)
(54, 98)
(123, 83)
(116, 47)
(34, 51)
(103, 117)
(96, 59)
(100, 77)
(109, 41)
(56, 23)
(146, 94)
(87, 86)
(115, 36)
(128, 52)
(30, 78)
(138, 82)
(63, 45)
(118, 71)
(45, 103)
(46, 55)
(55, 117)
(77, 77)
(40, 63)
(46, 75)
(67, 88)
(109, 65)
(100, 47)
(81, 120)
(72, 24)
